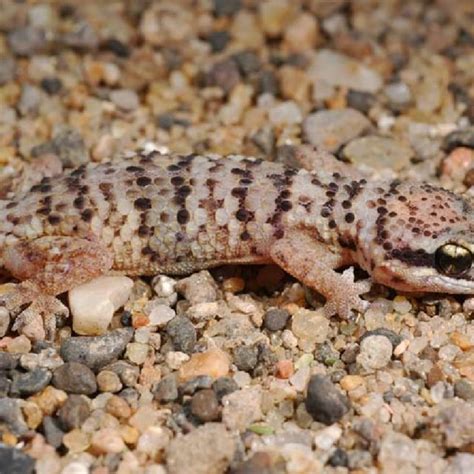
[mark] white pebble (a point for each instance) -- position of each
(94, 303)
(175, 359)
(286, 113)
(375, 352)
(160, 315)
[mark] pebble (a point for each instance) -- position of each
(393, 337)
(160, 315)
(73, 377)
(11, 415)
(182, 333)
(275, 319)
(224, 386)
(7, 70)
(310, 327)
(153, 440)
(27, 40)
(15, 461)
(242, 408)
(93, 304)
(218, 40)
(248, 62)
(459, 138)
(8, 361)
(198, 288)
(464, 389)
(137, 352)
(127, 372)
(74, 412)
(224, 74)
(30, 382)
(4, 321)
(175, 359)
(302, 34)
(208, 449)
(361, 101)
(246, 357)
(330, 129)
(226, 7)
(274, 16)
(167, 389)
(340, 70)
(53, 433)
(125, 99)
(213, 362)
(285, 113)
(378, 153)
(69, 145)
(195, 384)
(108, 381)
(205, 405)
(375, 352)
(51, 85)
(107, 441)
(96, 352)
(324, 402)
(30, 99)
(398, 95)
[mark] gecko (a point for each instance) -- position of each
(156, 213)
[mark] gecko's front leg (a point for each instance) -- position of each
(47, 267)
(314, 264)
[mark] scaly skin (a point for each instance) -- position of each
(170, 214)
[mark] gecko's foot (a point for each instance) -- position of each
(38, 320)
(346, 300)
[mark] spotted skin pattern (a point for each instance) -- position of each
(154, 213)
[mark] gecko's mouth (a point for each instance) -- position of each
(451, 285)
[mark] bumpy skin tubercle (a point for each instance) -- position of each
(172, 214)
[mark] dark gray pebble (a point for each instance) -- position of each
(73, 377)
(324, 401)
(275, 319)
(15, 461)
(246, 357)
(74, 412)
(53, 433)
(167, 389)
(218, 40)
(459, 138)
(24, 384)
(197, 383)
(223, 386)
(97, 351)
(226, 7)
(393, 337)
(11, 415)
(8, 361)
(182, 333)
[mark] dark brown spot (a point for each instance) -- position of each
(144, 231)
(346, 204)
(183, 191)
(243, 215)
(325, 212)
(134, 169)
(143, 181)
(349, 217)
(164, 217)
(177, 180)
(183, 216)
(79, 202)
(332, 224)
(86, 215)
(11, 205)
(285, 206)
(239, 192)
(142, 204)
(54, 219)
(387, 246)
(244, 236)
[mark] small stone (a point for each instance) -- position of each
(226, 7)
(330, 129)
(93, 304)
(218, 40)
(393, 337)
(242, 408)
(74, 412)
(339, 458)
(182, 333)
(246, 357)
(108, 381)
(7, 69)
(339, 70)
(274, 16)
(127, 372)
(82, 37)
(53, 433)
(4, 321)
(76, 442)
(375, 352)
(361, 101)
(284, 369)
(275, 319)
(96, 352)
(137, 352)
(213, 362)
(29, 100)
(205, 406)
(224, 74)
(30, 382)
(378, 153)
(455, 420)
(114, 45)
(248, 62)
(351, 382)
(11, 416)
(167, 389)
(70, 147)
(398, 95)
(324, 402)
(464, 389)
(49, 399)
(175, 359)
(260, 463)
(73, 377)
(285, 113)
(208, 449)
(8, 361)
(27, 40)
(459, 138)
(15, 461)
(195, 384)
(106, 441)
(310, 327)
(153, 440)
(160, 315)
(198, 288)
(267, 83)
(51, 85)
(224, 386)
(302, 34)
(125, 99)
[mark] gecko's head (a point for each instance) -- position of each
(423, 240)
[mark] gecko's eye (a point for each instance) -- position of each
(453, 260)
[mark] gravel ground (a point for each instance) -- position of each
(237, 371)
